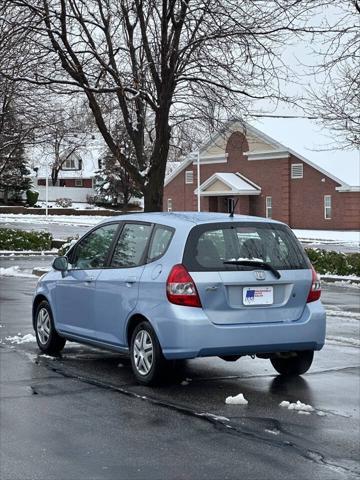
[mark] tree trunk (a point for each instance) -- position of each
(54, 175)
(153, 198)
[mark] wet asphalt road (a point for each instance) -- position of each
(82, 416)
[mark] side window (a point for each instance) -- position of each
(92, 251)
(131, 245)
(160, 242)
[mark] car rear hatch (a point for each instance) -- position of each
(248, 273)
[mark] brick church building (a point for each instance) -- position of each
(241, 164)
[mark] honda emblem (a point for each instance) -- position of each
(260, 275)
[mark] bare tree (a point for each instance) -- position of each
(156, 62)
(62, 133)
(337, 100)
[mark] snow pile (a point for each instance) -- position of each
(349, 341)
(299, 406)
(85, 220)
(329, 236)
(237, 400)
(14, 271)
(185, 382)
(18, 339)
(342, 313)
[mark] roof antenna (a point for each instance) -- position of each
(233, 209)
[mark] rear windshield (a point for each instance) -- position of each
(210, 245)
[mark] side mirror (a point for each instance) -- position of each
(60, 263)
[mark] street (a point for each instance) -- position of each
(82, 415)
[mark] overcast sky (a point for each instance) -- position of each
(306, 138)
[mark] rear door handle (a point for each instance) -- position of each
(130, 280)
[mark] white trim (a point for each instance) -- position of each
(293, 168)
(327, 207)
(319, 169)
(246, 128)
(185, 163)
(226, 193)
(347, 188)
(234, 190)
(248, 180)
(268, 207)
(268, 155)
(206, 159)
(169, 205)
(189, 177)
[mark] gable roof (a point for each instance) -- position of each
(277, 150)
(228, 184)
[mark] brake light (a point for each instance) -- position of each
(315, 290)
(181, 289)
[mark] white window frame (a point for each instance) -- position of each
(169, 205)
(70, 164)
(189, 177)
(299, 165)
(327, 207)
(268, 207)
(79, 182)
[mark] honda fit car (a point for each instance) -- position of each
(167, 286)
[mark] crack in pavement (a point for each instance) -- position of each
(220, 423)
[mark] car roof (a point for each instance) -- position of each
(175, 219)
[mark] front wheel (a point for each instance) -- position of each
(147, 360)
(293, 363)
(48, 340)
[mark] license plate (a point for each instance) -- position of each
(258, 295)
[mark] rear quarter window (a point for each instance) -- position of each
(160, 242)
(210, 245)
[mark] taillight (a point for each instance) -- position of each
(315, 290)
(181, 289)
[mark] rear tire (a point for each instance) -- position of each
(296, 363)
(147, 360)
(48, 340)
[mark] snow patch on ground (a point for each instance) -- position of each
(298, 406)
(86, 220)
(237, 400)
(353, 342)
(19, 253)
(18, 339)
(329, 236)
(14, 271)
(341, 313)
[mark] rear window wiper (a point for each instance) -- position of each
(251, 263)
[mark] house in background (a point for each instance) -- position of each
(76, 178)
(244, 167)
(76, 175)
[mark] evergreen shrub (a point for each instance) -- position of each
(11, 239)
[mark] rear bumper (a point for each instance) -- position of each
(186, 332)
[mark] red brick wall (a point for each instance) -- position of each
(307, 202)
(68, 182)
(298, 202)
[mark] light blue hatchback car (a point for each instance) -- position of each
(165, 286)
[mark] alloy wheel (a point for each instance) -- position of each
(43, 326)
(143, 352)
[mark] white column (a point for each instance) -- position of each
(198, 181)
